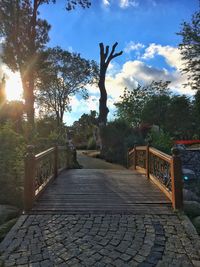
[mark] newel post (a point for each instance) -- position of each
(29, 178)
(147, 161)
(176, 178)
(127, 159)
(55, 161)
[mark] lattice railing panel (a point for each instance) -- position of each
(141, 158)
(160, 169)
(44, 169)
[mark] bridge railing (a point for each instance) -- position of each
(164, 170)
(41, 169)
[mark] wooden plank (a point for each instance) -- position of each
(97, 190)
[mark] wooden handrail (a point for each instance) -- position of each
(44, 153)
(141, 148)
(36, 179)
(164, 170)
(160, 154)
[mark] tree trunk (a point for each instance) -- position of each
(103, 109)
(105, 59)
(28, 73)
(28, 88)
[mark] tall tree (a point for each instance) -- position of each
(84, 128)
(105, 59)
(155, 110)
(25, 34)
(179, 119)
(190, 50)
(63, 75)
(131, 106)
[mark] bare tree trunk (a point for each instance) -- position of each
(103, 109)
(105, 59)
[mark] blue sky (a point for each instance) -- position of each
(146, 32)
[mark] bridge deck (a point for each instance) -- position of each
(102, 191)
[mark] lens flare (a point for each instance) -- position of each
(13, 86)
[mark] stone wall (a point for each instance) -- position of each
(191, 160)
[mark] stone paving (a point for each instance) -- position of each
(101, 240)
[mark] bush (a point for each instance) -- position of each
(11, 166)
(91, 143)
(162, 141)
(43, 143)
(117, 137)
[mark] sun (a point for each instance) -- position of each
(13, 86)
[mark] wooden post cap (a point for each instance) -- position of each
(30, 150)
(175, 151)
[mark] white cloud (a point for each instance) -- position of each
(128, 3)
(106, 3)
(82, 105)
(132, 46)
(171, 54)
(136, 71)
(113, 68)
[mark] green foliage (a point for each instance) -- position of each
(71, 4)
(117, 137)
(179, 117)
(84, 129)
(91, 143)
(132, 103)
(11, 166)
(196, 112)
(45, 125)
(13, 111)
(160, 140)
(63, 75)
(155, 105)
(190, 49)
(155, 110)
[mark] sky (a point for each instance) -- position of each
(145, 31)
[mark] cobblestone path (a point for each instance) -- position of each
(101, 240)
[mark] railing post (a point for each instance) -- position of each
(147, 161)
(176, 179)
(55, 161)
(127, 159)
(29, 178)
(67, 157)
(134, 157)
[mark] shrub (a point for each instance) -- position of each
(11, 166)
(117, 137)
(91, 143)
(161, 141)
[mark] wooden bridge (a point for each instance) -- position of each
(152, 183)
(103, 214)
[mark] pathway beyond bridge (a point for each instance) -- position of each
(101, 217)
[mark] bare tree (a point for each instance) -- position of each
(105, 59)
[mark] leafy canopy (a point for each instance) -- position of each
(132, 103)
(63, 75)
(190, 50)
